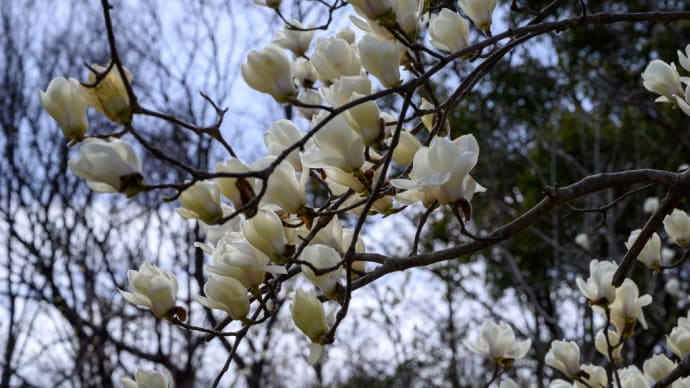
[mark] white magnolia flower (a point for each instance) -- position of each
(507, 382)
(322, 257)
(296, 40)
(335, 57)
(372, 9)
(201, 201)
(597, 376)
(346, 34)
(227, 294)
(626, 310)
(149, 379)
(658, 367)
(407, 15)
(480, 11)
(309, 316)
(497, 343)
(235, 257)
(365, 119)
(343, 88)
(677, 226)
(237, 190)
(564, 356)
(663, 79)
(283, 189)
(152, 288)
(336, 145)
(598, 288)
(381, 58)
(269, 71)
(684, 58)
(310, 97)
(616, 346)
(63, 101)
(440, 172)
(281, 135)
(631, 377)
(679, 341)
(449, 31)
(109, 96)
(265, 232)
(108, 166)
(650, 255)
(407, 147)
(304, 73)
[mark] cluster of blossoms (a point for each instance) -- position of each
(663, 79)
(621, 309)
(256, 216)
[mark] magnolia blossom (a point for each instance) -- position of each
(149, 379)
(650, 254)
(227, 294)
(108, 166)
(381, 58)
(658, 367)
(597, 376)
(64, 103)
(235, 257)
(507, 382)
(304, 73)
(269, 71)
(346, 34)
(152, 288)
(283, 189)
(365, 119)
(480, 11)
(340, 92)
(626, 310)
(237, 190)
(661, 78)
(598, 288)
(372, 9)
(440, 172)
(310, 97)
(601, 343)
(631, 377)
(331, 234)
(564, 356)
(497, 342)
(295, 39)
(449, 31)
(407, 147)
(322, 257)
(310, 317)
(108, 96)
(679, 340)
(281, 135)
(336, 145)
(677, 226)
(335, 57)
(201, 201)
(684, 58)
(265, 232)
